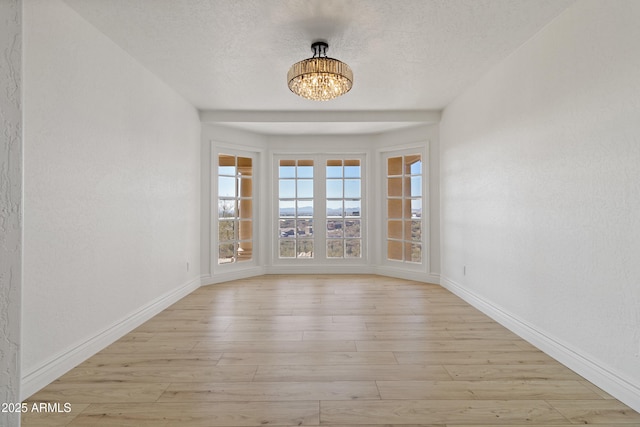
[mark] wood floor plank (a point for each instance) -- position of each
(432, 326)
(295, 326)
(193, 337)
(103, 392)
(132, 347)
(491, 412)
(601, 411)
(436, 345)
(161, 374)
(195, 414)
(274, 347)
(553, 371)
(316, 358)
(473, 357)
(486, 390)
(375, 336)
(270, 391)
(350, 373)
(107, 360)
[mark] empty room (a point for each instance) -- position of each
(320, 212)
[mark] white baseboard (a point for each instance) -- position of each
(319, 269)
(605, 377)
(211, 279)
(66, 360)
(418, 276)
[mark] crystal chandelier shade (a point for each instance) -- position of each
(320, 78)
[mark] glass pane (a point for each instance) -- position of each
(352, 228)
(335, 228)
(287, 189)
(394, 166)
(245, 167)
(334, 169)
(245, 251)
(226, 230)
(334, 208)
(287, 172)
(226, 252)
(245, 210)
(413, 252)
(394, 187)
(416, 208)
(227, 209)
(305, 208)
(352, 207)
(394, 250)
(352, 248)
(407, 208)
(415, 186)
(226, 186)
(335, 249)
(305, 248)
(352, 188)
(305, 188)
(352, 169)
(245, 187)
(226, 165)
(287, 228)
(287, 208)
(305, 228)
(416, 230)
(305, 171)
(394, 229)
(334, 189)
(394, 208)
(287, 248)
(413, 165)
(245, 230)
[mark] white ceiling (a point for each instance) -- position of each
(233, 55)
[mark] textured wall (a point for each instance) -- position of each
(112, 186)
(10, 204)
(541, 186)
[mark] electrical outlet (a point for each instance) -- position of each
(187, 267)
(464, 270)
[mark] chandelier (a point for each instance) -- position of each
(320, 78)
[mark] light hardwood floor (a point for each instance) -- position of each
(324, 350)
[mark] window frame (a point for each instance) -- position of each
(319, 210)
(255, 200)
(424, 265)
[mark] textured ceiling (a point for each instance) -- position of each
(234, 54)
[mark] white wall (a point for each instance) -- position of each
(540, 192)
(112, 193)
(10, 204)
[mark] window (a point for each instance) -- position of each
(319, 209)
(235, 209)
(404, 208)
(344, 205)
(295, 209)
